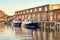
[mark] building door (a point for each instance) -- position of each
(55, 16)
(44, 16)
(38, 17)
(33, 16)
(51, 16)
(22, 17)
(25, 16)
(59, 17)
(29, 16)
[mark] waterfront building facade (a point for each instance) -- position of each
(50, 12)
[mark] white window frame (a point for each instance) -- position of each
(44, 16)
(19, 16)
(38, 17)
(33, 16)
(51, 16)
(25, 16)
(55, 7)
(0, 14)
(23, 12)
(35, 9)
(22, 17)
(55, 16)
(40, 9)
(18, 12)
(58, 17)
(27, 11)
(29, 16)
(30, 10)
(46, 8)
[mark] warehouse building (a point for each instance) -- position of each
(50, 12)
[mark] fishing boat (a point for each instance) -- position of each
(30, 24)
(17, 24)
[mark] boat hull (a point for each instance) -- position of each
(31, 26)
(17, 24)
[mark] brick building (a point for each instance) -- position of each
(3, 16)
(50, 12)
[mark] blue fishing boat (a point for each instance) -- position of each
(30, 24)
(17, 24)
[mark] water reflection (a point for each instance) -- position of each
(51, 36)
(44, 37)
(6, 33)
(23, 35)
(38, 35)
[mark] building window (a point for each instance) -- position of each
(51, 16)
(55, 7)
(58, 17)
(45, 8)
(30, 10)
(40, 9)
(33, 16)
(27, 11)
(38, 17)
(22, 17)
(44, 16)
(29, 16)
(19, 16)
(35, 9)
(55, 16)
(16, 18)
(2, 19)
(0, 14)
(25, 16)
(18, 12)
(23, 12)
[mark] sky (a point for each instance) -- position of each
(10, 6)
